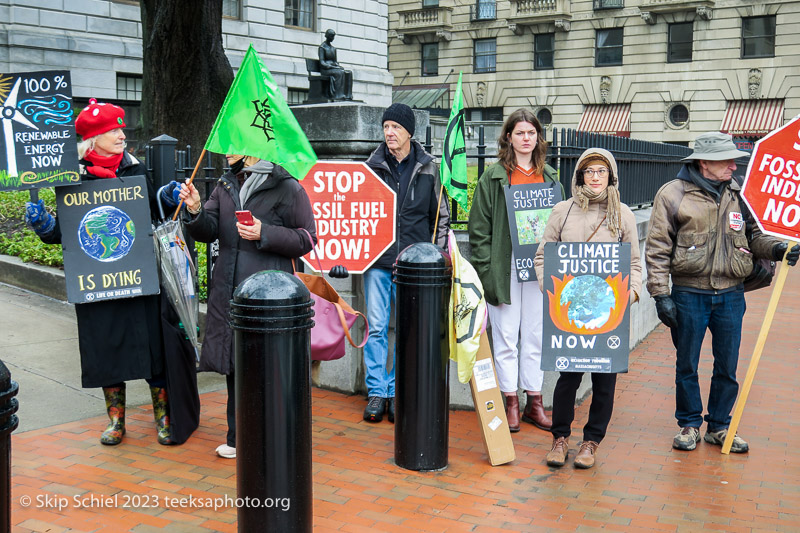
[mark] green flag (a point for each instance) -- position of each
(453, 169)
(255, 121)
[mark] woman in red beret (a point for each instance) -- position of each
(121, 339)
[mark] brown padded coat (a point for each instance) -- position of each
(700, 242)
(569, 223)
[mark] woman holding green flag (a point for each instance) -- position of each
(282, 221)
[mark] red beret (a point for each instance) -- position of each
(98, 118)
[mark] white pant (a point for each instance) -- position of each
(520, 321)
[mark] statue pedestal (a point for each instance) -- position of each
(347, 130)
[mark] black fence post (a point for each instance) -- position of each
(271, 319)
(163, 159)
(8, 423)
(423, 273)
(481, 151)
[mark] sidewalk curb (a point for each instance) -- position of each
(48, 281)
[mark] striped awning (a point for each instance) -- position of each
(752, 117)
(611, 119)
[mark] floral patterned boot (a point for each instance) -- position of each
(161, 413)
(115, 407)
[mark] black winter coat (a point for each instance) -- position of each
(416, 218)
(119, 340)
(282, 206)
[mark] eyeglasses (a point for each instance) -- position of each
(601, 172)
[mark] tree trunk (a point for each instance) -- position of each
(186, 74)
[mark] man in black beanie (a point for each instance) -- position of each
(421, 215)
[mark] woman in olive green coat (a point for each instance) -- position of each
(515, 309)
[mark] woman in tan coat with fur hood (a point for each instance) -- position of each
(593, 214)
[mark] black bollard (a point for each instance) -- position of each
(423, 273)
(8, 423)
(271, 318)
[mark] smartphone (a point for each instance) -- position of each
(245, 217)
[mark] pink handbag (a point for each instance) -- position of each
(333, 318)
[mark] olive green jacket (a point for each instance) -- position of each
(489, 233)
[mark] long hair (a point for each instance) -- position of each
(505, 152)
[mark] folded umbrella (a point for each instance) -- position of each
(178, 273)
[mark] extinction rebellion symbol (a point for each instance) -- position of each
(562, 363)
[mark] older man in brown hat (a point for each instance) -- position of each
(705, 240)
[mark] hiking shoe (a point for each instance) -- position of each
(228, 452)
(375, 409)
(686, 439)
(585, 457)
(557, 455)
(718, 437)
(390, 409)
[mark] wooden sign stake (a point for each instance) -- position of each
(762, 339)
(194, 172)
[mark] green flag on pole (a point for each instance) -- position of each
(255, 120)
(453, 170)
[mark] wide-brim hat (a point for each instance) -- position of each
(715, 146)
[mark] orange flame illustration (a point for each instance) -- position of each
(559, 314)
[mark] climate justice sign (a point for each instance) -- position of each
(529, 207)
(107, 239)
(355, 215)
(586, 311)
(39, 147)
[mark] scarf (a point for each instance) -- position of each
(586, 195)
(102, 166)
(712, 187)
(258, 174)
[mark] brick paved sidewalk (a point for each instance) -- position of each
(639, 483)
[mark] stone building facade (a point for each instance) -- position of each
(100, 43)
(660, 70)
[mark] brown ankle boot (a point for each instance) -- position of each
(512, 412)
(534, 413)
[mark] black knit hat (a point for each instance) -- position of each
(401, 114)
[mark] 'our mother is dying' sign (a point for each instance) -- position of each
(586, 315)
(107, 239)
(39, 148)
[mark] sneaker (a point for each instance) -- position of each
(228, 452)
(375, 409)
(686, 439)
(390, 409)
(718, 437)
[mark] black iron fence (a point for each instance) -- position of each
(644, 166)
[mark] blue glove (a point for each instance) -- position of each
(338, 271)
(171, 194)
(38, 219)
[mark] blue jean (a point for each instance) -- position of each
(721, 314)
(380, 293)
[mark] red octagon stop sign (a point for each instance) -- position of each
(772, 186)
(355, 215)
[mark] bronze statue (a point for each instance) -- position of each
(341, 86)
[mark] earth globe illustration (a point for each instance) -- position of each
(106, 233)
(592, 300)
